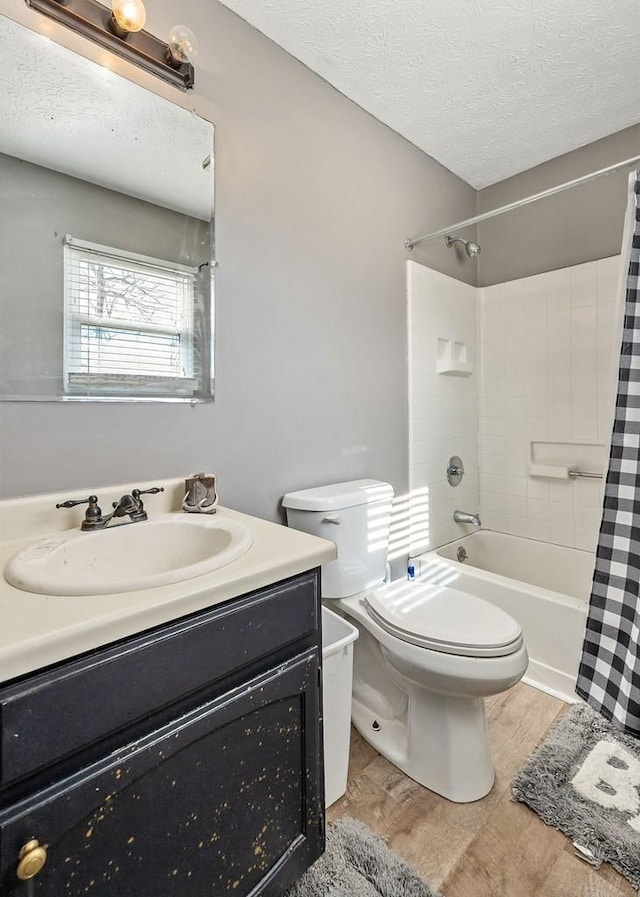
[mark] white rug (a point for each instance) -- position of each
(585, 781)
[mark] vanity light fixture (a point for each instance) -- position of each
(120, 29)
(127, 16)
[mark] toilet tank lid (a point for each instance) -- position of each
(338, 496)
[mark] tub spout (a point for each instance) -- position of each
(465, 517)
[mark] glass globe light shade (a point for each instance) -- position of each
(183, 44)
(129, 15)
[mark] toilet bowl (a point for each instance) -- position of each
(427, 655)
(422, 707)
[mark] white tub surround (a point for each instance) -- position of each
(539, 390)
(544, 587)
(38, 630)
(443, 403)
(547, 389)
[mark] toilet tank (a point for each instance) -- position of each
(356, 516)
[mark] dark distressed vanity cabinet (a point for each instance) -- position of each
(184, 761)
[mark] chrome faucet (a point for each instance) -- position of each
(466, 517)
(128, 506)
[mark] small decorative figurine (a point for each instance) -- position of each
(201, 496)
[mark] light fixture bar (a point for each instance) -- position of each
(91, 19)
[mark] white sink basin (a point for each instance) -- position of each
(165, 549)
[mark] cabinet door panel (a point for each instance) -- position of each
(53, 715)
(225, 800)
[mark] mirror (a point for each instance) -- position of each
(106, 233)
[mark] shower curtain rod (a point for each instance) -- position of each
(410, 242)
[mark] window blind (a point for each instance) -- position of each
(129, 323)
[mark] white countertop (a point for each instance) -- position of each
(38, 630)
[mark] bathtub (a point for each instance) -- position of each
(544, 587)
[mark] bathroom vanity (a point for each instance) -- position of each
(183, 758)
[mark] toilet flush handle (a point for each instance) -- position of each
(332, 518)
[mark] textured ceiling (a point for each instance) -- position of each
(487, 87)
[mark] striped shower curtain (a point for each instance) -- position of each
(609, 675)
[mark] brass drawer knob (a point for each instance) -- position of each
(31, 859)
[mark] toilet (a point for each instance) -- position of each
(427, 654)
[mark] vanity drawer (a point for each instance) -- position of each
(56, 713)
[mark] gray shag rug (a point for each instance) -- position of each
(585, 781)
(358, 864)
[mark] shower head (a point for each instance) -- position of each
(472, 249)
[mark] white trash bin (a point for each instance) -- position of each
(338, 637)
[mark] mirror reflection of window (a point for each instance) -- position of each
(129, 323)
(121, 169)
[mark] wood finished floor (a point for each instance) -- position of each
(493, 847)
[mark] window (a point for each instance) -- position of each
(130, 324)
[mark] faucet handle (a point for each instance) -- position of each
(153, 491)
(139, 513)
(93, 514)
(71, 503)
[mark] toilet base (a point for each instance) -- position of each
(441, 742)
(424, 710)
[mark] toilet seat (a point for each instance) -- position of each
(443, 619)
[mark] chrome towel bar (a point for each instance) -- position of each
(574, 474)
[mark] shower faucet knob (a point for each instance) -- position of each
(455, 470)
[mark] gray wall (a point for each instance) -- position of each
(578, 225)
(39, 207)
(313, 200)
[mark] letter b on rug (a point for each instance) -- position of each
(610, 776)
(585, 780)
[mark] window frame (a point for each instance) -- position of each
(87, 384)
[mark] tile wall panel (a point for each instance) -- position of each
(443, 408)
(548, 350)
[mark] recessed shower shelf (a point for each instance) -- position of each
(567, 460)
(453, 358)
